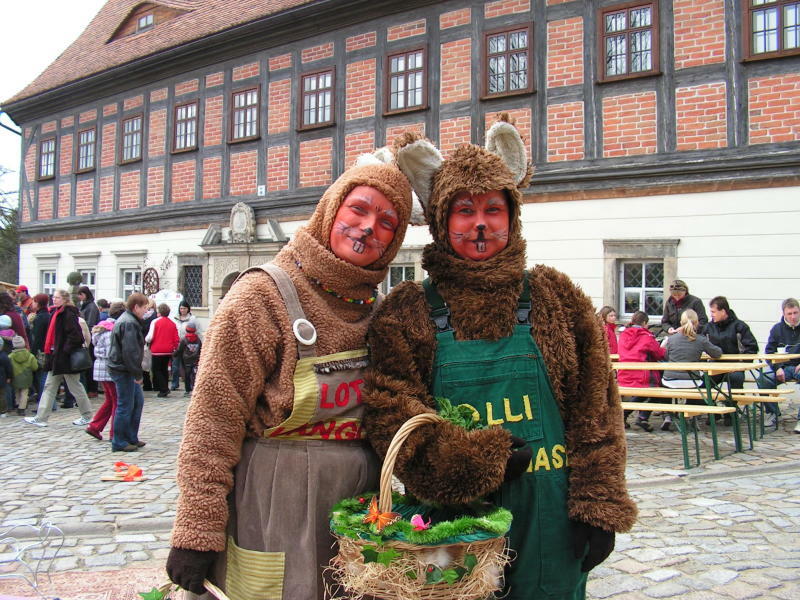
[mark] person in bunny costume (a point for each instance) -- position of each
(523, 351)
(273, 436)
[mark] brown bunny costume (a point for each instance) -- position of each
(444, 463)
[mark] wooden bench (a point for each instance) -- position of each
(745, 399)
(685, 411)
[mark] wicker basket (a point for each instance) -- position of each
(406, 576)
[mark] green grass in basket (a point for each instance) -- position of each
(347, 519)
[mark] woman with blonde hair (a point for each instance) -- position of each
(63, 337)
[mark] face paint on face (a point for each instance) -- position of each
(477, 224)
(364, 226)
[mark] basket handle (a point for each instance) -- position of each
(385, 496)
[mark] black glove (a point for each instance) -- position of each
(188, 568)
(601, 544)
(520, 459)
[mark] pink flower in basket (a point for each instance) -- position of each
(419, 523)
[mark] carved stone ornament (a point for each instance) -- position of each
(243, 224)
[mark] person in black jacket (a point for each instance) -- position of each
(730, 333)
(125, 369)
(63, 337)
(150, 315)
(785, 337)
(679, 300)
(91, 314)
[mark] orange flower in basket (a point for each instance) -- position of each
(380, 519)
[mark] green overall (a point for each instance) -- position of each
(505, 382)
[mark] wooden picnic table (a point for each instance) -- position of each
(777, 357)
(712, 368)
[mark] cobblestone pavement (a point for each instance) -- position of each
(726, 529)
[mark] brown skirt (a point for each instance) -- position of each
(279, 537)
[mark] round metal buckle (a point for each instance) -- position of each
(296, 329)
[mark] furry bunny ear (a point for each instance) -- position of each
(504, 140)
(381, 156)
(419, 160)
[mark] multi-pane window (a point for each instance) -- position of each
(47, 158)
(773, 28)
(316, 99)
(244, 117)
(629, 42)
(642, 287)
(398, 274)
(193, 284)
(132, 139)
(48, 282)
(86, 149)
(406, 72)
(185, 137)
(89, 279)
(131, 281)
(508, 62)
(145, 22)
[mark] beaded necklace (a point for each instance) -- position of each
(336, 294)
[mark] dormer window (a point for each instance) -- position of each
(145, 22)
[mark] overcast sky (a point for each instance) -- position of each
(33, 34)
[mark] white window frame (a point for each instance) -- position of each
(145, 22)
(126, 288)
(48, 281)
(643, 290)
(89, 279)
(408, 269)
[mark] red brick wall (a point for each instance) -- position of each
(110, 109)
(186, 87)
(183, 181)
(84, 197)
(317, 52)
(212, 124)
(283, 61)
(30, 163)
(360, 89)
(393, 132)
(629, 124)
(215, 79)
(453, 133)
(106, 203)
(155, 186)
(157, 133)
(699, 32)
(109, 145)
(131, 103)
(362, 40)
(356, 144)
(128, 190)
(279, 106)
(565, 132)
(701, 113)
(89, 115)
(45, 202)
(65, 155)
(252, 69)
(406, 30)
(565, 52)
(158, 95)
(315, 162)
(522, 121)
(212, 177)
(67, 122)
(64, 197)
(26, 214)
(49, 127)
(456, 71)
(277, 168)
(552, 2)
(243, 173)
(505, 7)
(455, 18)
(774, 109)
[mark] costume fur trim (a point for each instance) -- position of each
(419, 160)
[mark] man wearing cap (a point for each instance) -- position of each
(24, 301)
(679, 300)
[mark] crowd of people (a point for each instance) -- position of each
(90, 347)
(688, 334)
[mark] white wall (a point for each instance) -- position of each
(742, 244)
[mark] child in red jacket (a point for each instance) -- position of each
(637, 344)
